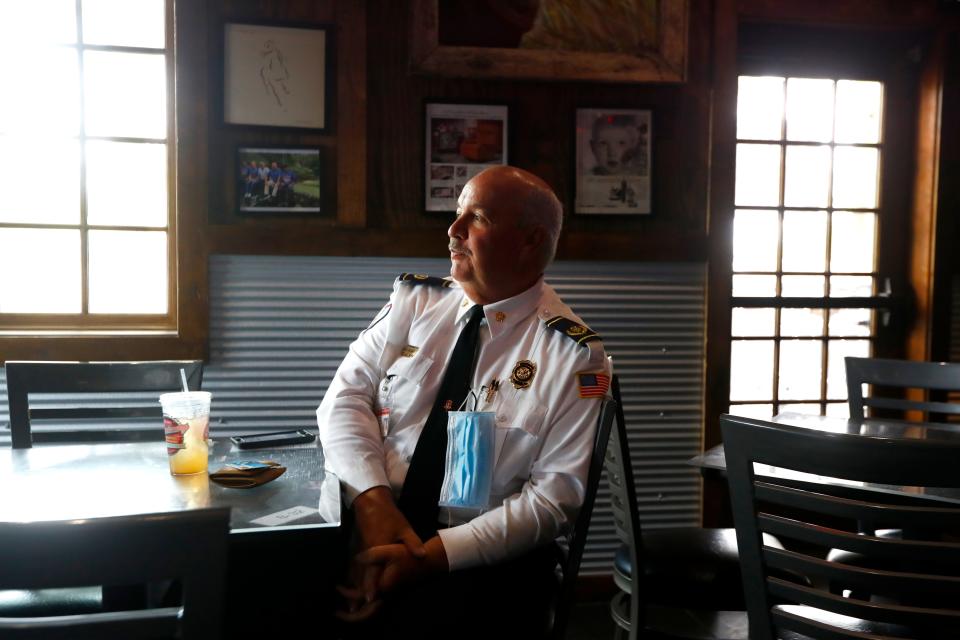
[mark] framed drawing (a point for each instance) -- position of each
(613, 161)
(461, 141)
(600, 40)
(275, 76)
(274, 180)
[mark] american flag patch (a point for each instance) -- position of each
(593, 385)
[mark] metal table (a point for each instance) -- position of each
(714, 461)
(88, 481)
(286, 542)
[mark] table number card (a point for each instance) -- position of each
(285, 517)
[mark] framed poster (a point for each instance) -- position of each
(275, 76)
(274, 180)
(613, 161)
(461, 141)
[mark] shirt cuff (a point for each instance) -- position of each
(356, 481)
(461, 547)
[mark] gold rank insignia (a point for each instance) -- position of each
(576, 330)
(500, 316)
(420, 276)
(409, 351)
(522, 374)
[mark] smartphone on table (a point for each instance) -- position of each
(273, 439)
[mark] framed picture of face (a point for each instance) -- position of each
(461, 141)
(275, 180)
(613, 161)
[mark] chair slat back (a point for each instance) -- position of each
(31, 378)
(578, 535)
(917, 596)
(903, 374)
(623, 496)
(188, 546)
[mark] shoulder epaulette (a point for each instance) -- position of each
(579, 333)
(419, 278)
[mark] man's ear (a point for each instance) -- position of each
(535, 237)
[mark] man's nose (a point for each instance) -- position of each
(457, 228)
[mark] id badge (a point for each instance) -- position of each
(470, 460)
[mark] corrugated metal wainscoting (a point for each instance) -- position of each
(955, 320)
(279, 327)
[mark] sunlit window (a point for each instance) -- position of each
(85, 219)
(804, 240)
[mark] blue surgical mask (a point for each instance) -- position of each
(471, 445)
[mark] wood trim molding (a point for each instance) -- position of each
(925, 196)
(720, 239)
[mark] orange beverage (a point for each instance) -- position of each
(186, 419)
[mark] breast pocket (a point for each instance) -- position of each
(398, 388)
(518, 441)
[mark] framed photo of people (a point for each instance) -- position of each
(276, 76)
(275, 180)
(613, 161)
(461, 141)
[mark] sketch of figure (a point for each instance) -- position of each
(274, 73)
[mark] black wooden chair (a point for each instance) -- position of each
(189, 547)
(96, 379)
(901, 374)
(916, 599)
(572, 553)
(689, 585)
(889, 379)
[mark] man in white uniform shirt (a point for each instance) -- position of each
(549, 374)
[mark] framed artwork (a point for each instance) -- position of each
(600, 40)
(275, 76)
(613, 161)
(274, 180)
(461, 141)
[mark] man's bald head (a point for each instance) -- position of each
(505, 233)
(537, 205)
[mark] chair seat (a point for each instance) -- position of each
(50, 602)
(868, 628)
(689, 567)
(688, 624)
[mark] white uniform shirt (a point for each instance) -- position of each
(380, 398)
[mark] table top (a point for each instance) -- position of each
(715, 459)
(66, 482)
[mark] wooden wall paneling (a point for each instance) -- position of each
(351, 101)
(858, 13)
(542, 141)
(225, 139)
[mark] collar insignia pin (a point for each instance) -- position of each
(500, 316)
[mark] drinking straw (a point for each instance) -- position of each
(183, 379)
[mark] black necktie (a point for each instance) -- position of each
(421, 488)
